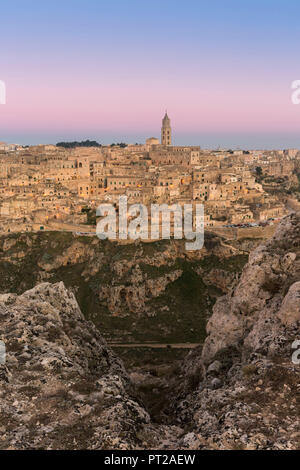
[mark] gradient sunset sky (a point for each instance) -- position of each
(107, 70)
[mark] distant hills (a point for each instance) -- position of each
(84, 143)
(87, 143)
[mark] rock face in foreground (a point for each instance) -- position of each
(61, 386)
(246, 385)
(262, 313)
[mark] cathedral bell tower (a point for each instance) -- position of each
(166, 138)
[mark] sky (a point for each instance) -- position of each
(108, 70)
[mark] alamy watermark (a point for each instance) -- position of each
(296, 93)
(296, 354)
(2, 353)
(163, 221)
(2, 92)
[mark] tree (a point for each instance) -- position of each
(258, 170)
(84, 143)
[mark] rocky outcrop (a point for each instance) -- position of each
(61, 386)
(265, 305)
(138, 293)
(245, 385)
(220, 278)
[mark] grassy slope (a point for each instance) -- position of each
(189, 300)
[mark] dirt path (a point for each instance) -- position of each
(155, 345)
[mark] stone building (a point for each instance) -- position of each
(166, 133)
(152, 141)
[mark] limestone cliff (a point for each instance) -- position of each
(61, 386)
(263, 311)
(245, 385)
(133, 293)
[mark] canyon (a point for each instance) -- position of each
(63, 299)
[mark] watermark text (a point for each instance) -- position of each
(2, 92)
(2, 353)
(161, 221)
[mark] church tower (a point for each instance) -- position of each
(166, 131)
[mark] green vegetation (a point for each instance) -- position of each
(91, 218)
(143, 356)
(84, 143)
(177, 314)
(230, 264)
(119, 144)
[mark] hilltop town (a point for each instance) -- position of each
(58, 187)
